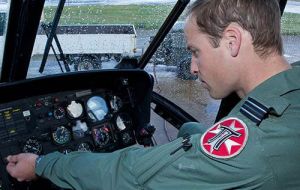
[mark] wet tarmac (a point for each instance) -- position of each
(191, 97)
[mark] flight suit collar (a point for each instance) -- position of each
(271, 92)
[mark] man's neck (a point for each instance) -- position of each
(260, 70)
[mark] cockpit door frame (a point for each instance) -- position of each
(23, 21)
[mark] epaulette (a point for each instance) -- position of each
(254, 110)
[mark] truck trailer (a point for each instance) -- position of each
(86, 46)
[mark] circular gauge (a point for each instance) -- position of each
(101, 136)
(61, 135)
(116, 103)
(32, 145)
(84, 147)
(74, 109)
(96, 108)
(123, 121)
(59, 113)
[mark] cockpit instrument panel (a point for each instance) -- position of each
(94, 112)
(66, 121)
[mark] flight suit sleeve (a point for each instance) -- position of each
(109, 171)
(84, 170)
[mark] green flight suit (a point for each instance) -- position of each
(270, 158)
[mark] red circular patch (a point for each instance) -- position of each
(225, 139)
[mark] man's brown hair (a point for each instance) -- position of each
(261, 18)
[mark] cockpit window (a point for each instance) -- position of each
(290, 27)
(4, 8)
(95, 34)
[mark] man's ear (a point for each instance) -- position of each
(233, 38)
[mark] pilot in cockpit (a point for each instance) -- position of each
(236, 47)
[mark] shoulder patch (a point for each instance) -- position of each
(225, 139)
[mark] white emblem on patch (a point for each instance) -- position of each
(225, 139)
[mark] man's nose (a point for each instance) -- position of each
(194, 67)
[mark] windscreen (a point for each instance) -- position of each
(93, 35)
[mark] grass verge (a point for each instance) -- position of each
(142, 16)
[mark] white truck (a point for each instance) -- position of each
(86, 46)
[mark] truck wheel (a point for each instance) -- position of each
(72, 59)
(87, 63)
(117, 58)
(105, 58)
(184, 71)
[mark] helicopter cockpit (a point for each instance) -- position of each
(97, 76)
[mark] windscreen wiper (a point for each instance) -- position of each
(282, 4)
(51, 36)
(162, 32)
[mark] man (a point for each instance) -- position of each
(236, 47)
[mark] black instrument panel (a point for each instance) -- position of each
(70, 121)
(99, 111)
